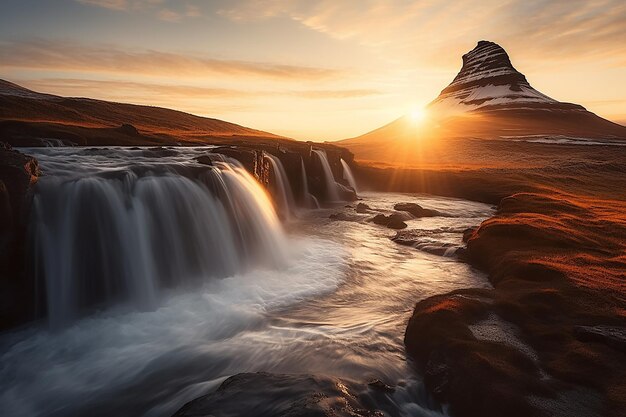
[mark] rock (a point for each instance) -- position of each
(467, 233)
(204, 160)
(416, 210)
(362, 208)
(128, 129)
(346, 193)
(265, 394)
(396, 224)
(393, 221)
(381, 386)
(18, 174)
(612, 336)
(380, 219)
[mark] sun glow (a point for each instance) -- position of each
(417, 114)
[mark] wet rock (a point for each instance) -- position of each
(396, 224)
(264, 394)
(346, 193)
(362, 208)
(18, 174)
(204, 160)
(612, 336)
(416, 210)
(381, 386)
(467, 233)
(393, 221)
(380, 219)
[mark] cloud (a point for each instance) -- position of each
(169, 15)
(116, 89)
(59, 56)
(107, 4)
(175, 11)
(554, 30)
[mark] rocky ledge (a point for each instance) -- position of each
(548, 339)
(265, 394)
(18, 174)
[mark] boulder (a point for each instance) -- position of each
(393, 221)
(362, 208)
(416, 210)
(265, 394)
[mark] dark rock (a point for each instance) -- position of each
(204, 160)
(393, 221)
(396, 224)
(18, 174)
(380, 219)
(268, 395)
(467, 233)
(346, 193)
(362, 208)
(128, 129)
(612, 336)
(416, 210)
(381, 386)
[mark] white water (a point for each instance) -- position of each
(308, 198)
(282, 187)
(347, 175)
(337, 307)
(331, 186)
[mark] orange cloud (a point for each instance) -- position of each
(55, 56)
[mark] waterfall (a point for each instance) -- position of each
(347, 175)
(282, 187)
(331, 187)
(124, 231)
(308, 198)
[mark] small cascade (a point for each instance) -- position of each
(308, 198)
(124, 232)
(282, 188)
(347, 175)
(331, 186)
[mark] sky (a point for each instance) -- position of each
(311, 70)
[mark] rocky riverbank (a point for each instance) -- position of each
(549, 339)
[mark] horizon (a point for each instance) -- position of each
(314, 72)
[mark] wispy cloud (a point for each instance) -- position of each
(167, 10)
(566, 29)
(115, 89)
(107, 4)
(55, 56)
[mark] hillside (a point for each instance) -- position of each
(29, 118)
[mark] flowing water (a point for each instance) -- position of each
(282, 186)
(334, 299)
(347, 175)
(331, 186)
(309, 199)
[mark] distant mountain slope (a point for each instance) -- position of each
(488, 99)
(27, 116)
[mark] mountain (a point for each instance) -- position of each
(29, 118)
(488, 99)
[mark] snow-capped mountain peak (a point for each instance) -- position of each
(488, 81)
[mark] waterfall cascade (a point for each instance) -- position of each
(282, 188)
(347, 175)
(331, 186)
(119, 228)
(308, 198)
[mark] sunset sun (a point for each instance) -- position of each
(417, 114)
